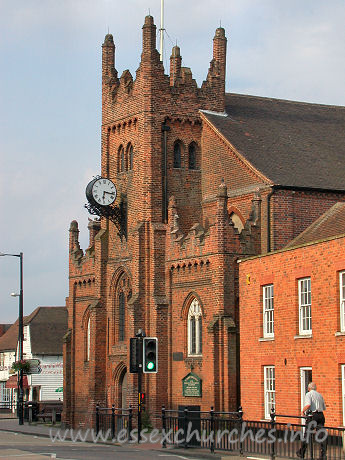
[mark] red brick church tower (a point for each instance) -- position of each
(194, 205)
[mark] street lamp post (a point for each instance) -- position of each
(20, 409)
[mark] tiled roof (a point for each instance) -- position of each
(8, 341)
(291, 143)
(48, 325)
(330, 224)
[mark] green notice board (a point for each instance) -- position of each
(191, 385)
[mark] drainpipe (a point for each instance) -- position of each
(165, 130)
(269, 196)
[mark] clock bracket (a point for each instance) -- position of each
(116, 214)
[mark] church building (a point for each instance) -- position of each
(204, 178)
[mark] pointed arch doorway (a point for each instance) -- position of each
(122, 389)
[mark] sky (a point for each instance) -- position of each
(50, 102)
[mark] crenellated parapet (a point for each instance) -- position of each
(151, 83)
(250, 236)
(217, 235)
(81, 264)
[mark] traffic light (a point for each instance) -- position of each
(150, 355)
(134, 355)
(141, 402)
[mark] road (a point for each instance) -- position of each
(31, 447)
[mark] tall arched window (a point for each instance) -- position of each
(121, 159)
(122, 313)
(87, 340)
(194, 329)
(192, 156)
(130, 156)
(177, 155)
(123, 294)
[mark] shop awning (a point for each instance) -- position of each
(12, 382)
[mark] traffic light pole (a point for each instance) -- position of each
(140, 373)
(140, 335)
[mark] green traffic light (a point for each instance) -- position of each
(150, 365)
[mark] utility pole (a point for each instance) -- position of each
(20, 408)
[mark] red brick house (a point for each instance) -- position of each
(206, 178)
(292, 310)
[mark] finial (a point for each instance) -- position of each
(74, 226)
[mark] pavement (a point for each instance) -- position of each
(50, 431)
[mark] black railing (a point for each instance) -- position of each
(228, 431)
(113, 421)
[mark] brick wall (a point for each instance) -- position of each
(165, 261)
(288, 352)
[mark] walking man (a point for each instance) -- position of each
(314, 404)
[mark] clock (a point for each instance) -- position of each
(101, 191)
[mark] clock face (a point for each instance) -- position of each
(104, 192)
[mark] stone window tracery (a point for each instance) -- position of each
(194, 329)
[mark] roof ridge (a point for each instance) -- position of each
(291, 101)
(318, 222)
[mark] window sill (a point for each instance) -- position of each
(266, 339)
(339, 334)
(304, 336)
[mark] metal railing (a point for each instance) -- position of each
(113, 420)
(228, 431)
(187, 428)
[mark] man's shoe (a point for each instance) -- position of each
(299, 454)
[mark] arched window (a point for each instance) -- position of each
(130, 156)
(87, 340)
(192, 156)
(236, 220)
(123, 294)
(121, 159)
(122, 316)
(194, 329)
(177, 155)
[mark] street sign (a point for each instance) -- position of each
(34, 370)
(33, 362)
(34, 366)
